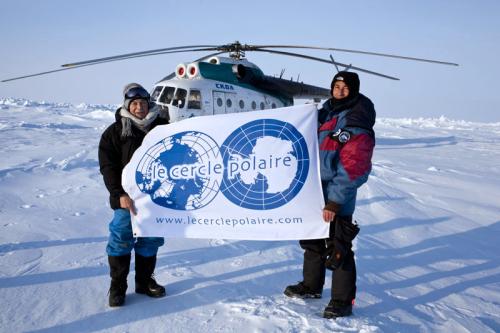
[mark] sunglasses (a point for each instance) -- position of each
(137, 92)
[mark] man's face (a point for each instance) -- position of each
(139, 108)
(340, 90)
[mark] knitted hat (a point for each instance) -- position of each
(133, 91)
(351, 79)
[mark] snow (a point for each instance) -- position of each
(427, 253)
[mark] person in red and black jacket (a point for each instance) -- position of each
(346, 143)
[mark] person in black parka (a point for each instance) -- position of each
(134, 119)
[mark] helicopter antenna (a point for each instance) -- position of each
(282, 72)
(333, 62)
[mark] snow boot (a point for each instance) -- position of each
(144, 281)
(118, 270)
(300, 290)
(336, 309)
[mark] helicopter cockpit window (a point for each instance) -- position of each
(254, 105)
(180, 97)
(167, 95)
(156, 92)
(194, 100)
(273, 105)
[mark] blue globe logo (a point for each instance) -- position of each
(266, 163)
(182, 171)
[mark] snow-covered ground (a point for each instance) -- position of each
(428, 251)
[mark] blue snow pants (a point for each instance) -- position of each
(121, 240)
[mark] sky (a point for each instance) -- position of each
(37, 36)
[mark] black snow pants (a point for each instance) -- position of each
(336, 254)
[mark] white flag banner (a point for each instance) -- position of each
(251, 175)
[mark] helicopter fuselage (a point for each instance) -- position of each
(215, 87)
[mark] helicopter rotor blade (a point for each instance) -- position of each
(43, 73)
(136, 54)
(105, 60)
(333, 62)
(328, 62)
(150, 54)
(208, 56)
(235, 48)
(356, 51)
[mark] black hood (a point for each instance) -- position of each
(362, 114)
(118, 116)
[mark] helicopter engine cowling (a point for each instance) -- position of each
(246, 74)
(192, 70)
(180, 71)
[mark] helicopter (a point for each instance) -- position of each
(214, 84)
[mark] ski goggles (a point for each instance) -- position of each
(136, 93)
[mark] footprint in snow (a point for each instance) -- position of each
(217, 242)
(181, 272)
(237, 263)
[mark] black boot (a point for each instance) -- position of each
(336, 309)
(118, 270)
(144, 281)
(300, 290)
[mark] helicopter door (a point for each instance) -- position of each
(219, 102)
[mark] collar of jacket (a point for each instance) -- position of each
(360, 113)
(336, 105)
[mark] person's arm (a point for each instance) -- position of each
(110, 166)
